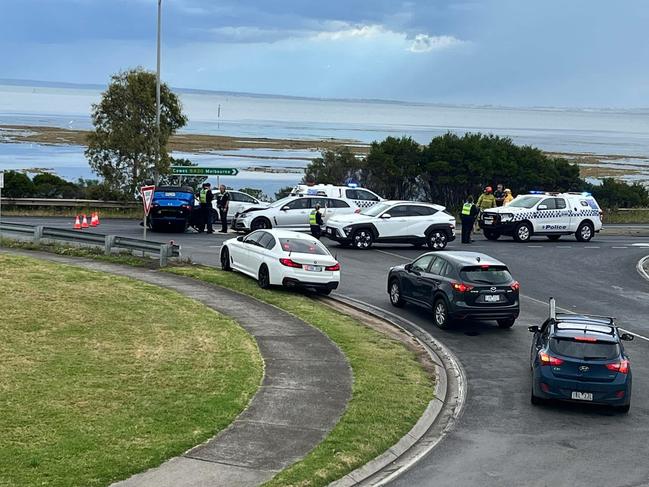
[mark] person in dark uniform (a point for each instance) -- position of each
(315, 222)
(469, 214)
(205, 198)
(223, 203)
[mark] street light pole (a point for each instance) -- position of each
(157, 99)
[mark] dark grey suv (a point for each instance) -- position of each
(457, 286)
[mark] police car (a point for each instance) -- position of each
(541, 213)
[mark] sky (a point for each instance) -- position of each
(570, 53)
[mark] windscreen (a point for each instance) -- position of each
(282, 202)
(524, 201)
(585, 350)
(375, 210)
(303, 246)
(174, 195)
(492, 275)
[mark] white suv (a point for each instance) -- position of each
(291, 213)
(540, 213)
(410, 222)
(361, 197)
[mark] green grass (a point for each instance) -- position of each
(390, 391)
(638, 216)
(102, 377)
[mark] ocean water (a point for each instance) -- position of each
(624, 133)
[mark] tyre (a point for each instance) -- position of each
(362, 238)
(523, 232)
(623, 409)
(437, 240)
(260, 223)
(491, 235)
(263, 277)
(225, 260)
(440, 314)
(536, 400)
(584, 232)
(395, 294)
(554, 238)
(324, 292)
(506, 323)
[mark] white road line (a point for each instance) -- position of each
(215, 246)
(592, 247)
(619, 247)
(640, 244)
(393, 255)
(564, 246)
(535, 246)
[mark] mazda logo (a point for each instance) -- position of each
(493, 288)
(584, 368)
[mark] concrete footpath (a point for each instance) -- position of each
(307, 384)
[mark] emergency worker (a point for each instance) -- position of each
(469, 214)
(315, 221)
(205, 198)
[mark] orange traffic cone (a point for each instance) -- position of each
(84, 223)
(96, 219)
(77, 224)
(93, 220)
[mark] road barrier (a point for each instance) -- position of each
(70, 203)
(108, 242)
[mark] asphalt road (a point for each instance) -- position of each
(501, 439)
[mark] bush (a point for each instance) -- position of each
(48, 185)
(17, 185)
(618, 194)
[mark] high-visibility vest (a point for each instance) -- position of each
(203, 196)
(312, 218)
(466, 209)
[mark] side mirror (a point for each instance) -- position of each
(408, 267)
(240, 239)
(542, 207)
(285, 208)
(386, 215)
(533, 329)
(627, 337)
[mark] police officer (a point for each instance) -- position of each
(469, 213)
(223, 203)
(315, 221)
(205, 198)
(485, 201)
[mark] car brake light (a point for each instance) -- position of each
(516, 286)
(290, 263)
(585, 339)
(547, 359)
(461, 287)
(335, 267)
(187, 207)
(622, 366)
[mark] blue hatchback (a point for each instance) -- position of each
(580, 358)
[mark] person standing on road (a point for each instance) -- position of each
(499, 194)
(223, 203)
(469, 214)
(508, 197)
(315, 222)
(205, 198)
(485, 201)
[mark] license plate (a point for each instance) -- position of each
(582, 396)
(330, 231)
(488, 221)
(492, 298)
(313, 268)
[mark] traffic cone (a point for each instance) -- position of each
(96, 218)
(93, 220)
(77, 224)
(84, 223)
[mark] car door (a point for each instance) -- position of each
(240, 202)
(248, 256)
(258, 252)
(294, 214)
(391, 222)
(336, 207)
(412, 274)
(429, 281)
(546, 216)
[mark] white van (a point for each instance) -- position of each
(361, 197)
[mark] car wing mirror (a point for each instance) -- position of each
(627, 337)
(542, 207)
(285, 208)
(408, 267)
(386, 215)
(533, 329)
(240, 239)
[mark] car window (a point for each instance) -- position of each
(303, 246)
(246, 198)
(585, 350)
(253, 238)
(524, 201)
(398, 211)
(550, 203)
(299, 204)
(234, 196)
(363, 194)
(560, 203)
(416, 210)
(267, 240)
(422, 263)
(176, 195)
(352, 194)
(438, 266)
(319, 201)
(337, 203)
(448, 271)
(493, 275)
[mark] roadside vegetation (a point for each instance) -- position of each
(103, 377)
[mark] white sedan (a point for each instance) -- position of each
(282, 258)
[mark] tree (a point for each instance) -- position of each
(17, 185)
(123, 146)
(48, 185)
(283, 192)
(392, 168)
(255, 193)
(333, 167)
(618, 194)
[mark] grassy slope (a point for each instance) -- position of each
(390, 390)
(103, 377)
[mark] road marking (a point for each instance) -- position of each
(619, 247)
(215, 246)
(592, 247)
(564, 246)
(393, 255)
(640, 245)
(535, 246)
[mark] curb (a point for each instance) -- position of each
(640, 267)
(438, 419)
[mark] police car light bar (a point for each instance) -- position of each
(537, 192)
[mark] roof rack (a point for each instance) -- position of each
(552, 305)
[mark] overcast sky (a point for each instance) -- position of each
(509, 52)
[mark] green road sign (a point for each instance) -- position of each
(203, 171)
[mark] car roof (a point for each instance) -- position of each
(468, 258)
(599, 327)
(420, 203)
(288, 234)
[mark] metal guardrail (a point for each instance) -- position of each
(69, 203)
(109, 242)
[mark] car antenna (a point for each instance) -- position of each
(553, 309)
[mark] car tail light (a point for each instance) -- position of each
(186, 207)
(461, 287)
(620, 394)
(516, 286)
(290, 263)
(621, 366)
(335, 267)
(544, 387)
(585, 339)
(547, 359)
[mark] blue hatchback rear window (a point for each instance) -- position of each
(585, 350)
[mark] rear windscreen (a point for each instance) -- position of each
(585, 350)
(492, 275)
(175, 195)
(302, 246)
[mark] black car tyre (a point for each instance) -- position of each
(506, 322)
(523, 232)
(554, 238)
(623, 409)
(362, 238)
(536, 400)
(437, 240)
(263, 277)
(225, 260)
(440, 314)
(491, 235)
(584, 232)
(260, 223)
(324, 292)
(395, 294)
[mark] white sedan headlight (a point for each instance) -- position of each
(347, 229)
(506, 217)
